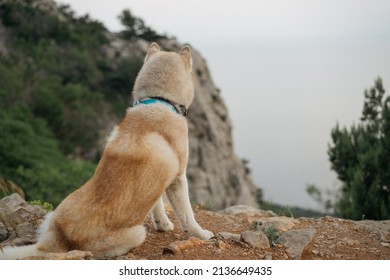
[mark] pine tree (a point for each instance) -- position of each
(136, 28)
(360, 157)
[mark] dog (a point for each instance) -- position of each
(145, 156)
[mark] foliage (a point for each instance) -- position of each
(325, 199)
(54, 72)
(48, 207)
(33, 159)
(56, 83)
(360, 157)
(270, 231)
(290, 211)
(117, 84)
(272, 234)
(136, 28)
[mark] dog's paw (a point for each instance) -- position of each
(204, 234)
(164, 226)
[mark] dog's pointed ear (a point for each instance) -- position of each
(153, 49)
(186, 55)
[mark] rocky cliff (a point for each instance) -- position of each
(217, 176)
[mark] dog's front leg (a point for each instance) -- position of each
(160, 218)
(178, 197)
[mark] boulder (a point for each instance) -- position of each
(299, 243)
(19, 219)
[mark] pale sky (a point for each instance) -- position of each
(289, 70)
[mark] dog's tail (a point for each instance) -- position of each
(14, 253)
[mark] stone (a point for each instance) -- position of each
(14, 210)
(71, 255)
(181, 246)
(222, 245)
(282, 223)
(298, 243)
(3, 232)
(12, 201)
(20, 220)
(218, 252)
(256, 239)
(248, 210)
(350, 242)
(380, 228)
(131, 257)
(17, 216)
(27, 232)
(228, 235)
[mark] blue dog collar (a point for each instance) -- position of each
(180, 109)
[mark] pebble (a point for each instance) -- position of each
(228, 235)
(182, 246)
(256, 239)
(3, 232)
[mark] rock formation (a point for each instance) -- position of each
(240, 233)
(19, 220)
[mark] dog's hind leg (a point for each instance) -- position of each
(160, 218)
(178, 197)
(119, 242)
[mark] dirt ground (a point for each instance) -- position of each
(336, 239)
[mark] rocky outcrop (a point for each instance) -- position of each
(218, 176)
(239, 234)
(19, 221)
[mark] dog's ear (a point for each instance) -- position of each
(186, 55)
(153, 49)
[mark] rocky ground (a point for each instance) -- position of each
(242, 232)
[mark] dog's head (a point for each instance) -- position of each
(167, 75)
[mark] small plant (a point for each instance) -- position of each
(290, 212)
(48, 207)
(270, 231)
(255, 226)
(272, 234)
(8, 187)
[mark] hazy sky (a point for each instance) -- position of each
(289, 70)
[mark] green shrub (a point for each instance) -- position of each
(48, 207)
(360, 157)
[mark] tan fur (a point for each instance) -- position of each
(154, 79)
(146, 154)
